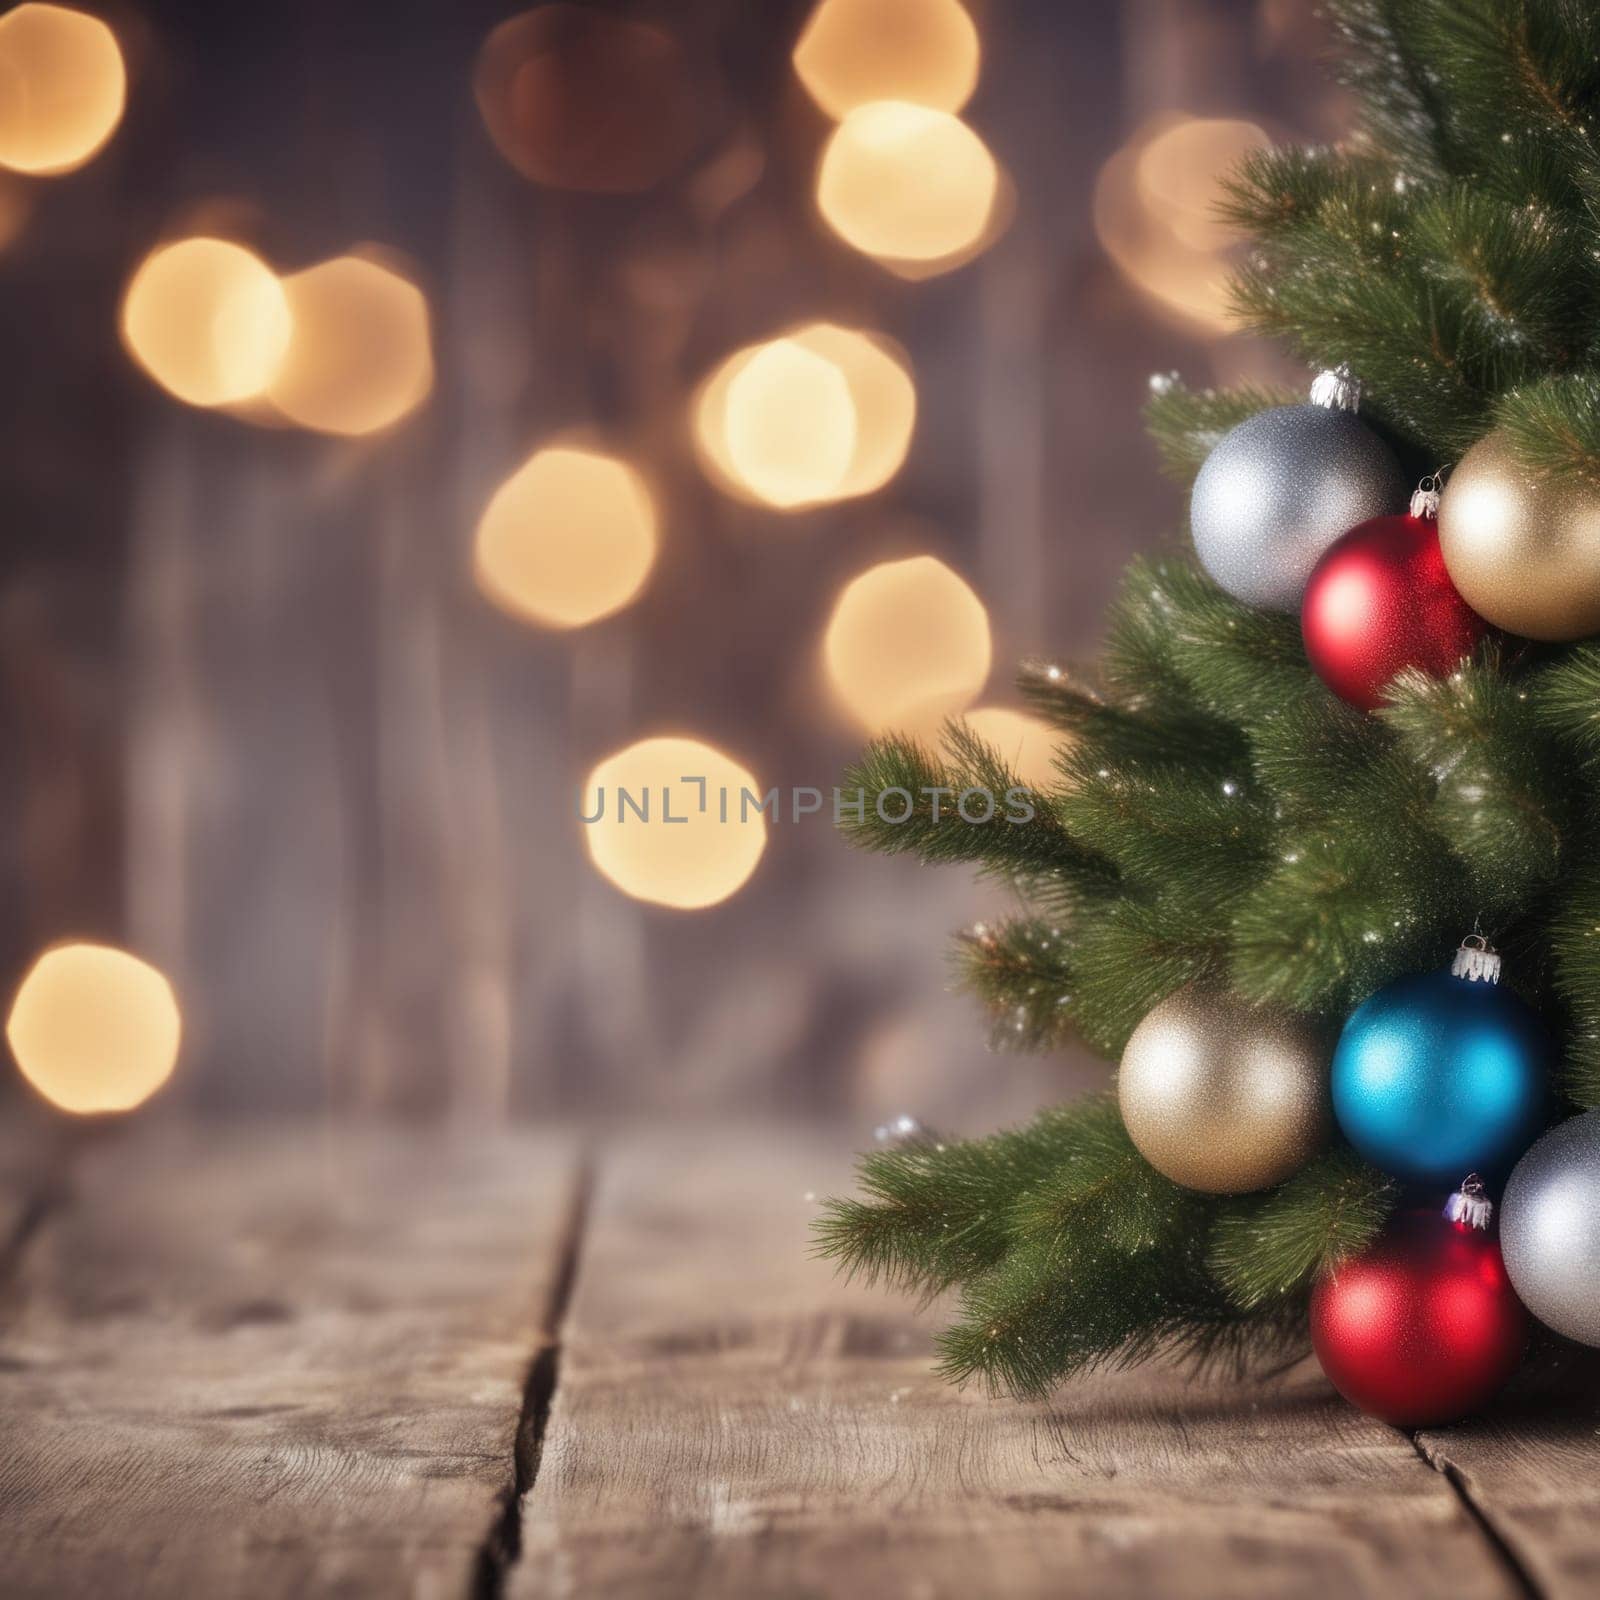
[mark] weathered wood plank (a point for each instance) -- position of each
(275, 1363)
(730, 1420)
(1529, 1470)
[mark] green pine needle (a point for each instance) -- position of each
(1215, 814)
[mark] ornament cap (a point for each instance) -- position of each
(1469, 1206)
(1337, 388)
(1425, 497)
(1476, 960)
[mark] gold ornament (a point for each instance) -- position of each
(1523, 549)
(1222, 1096)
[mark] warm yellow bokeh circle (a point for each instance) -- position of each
(362, 353)
(700, 858)
(63, 87)
(207, 320)
(569, 538)
(855, 51)
(906, 182)
(882, 394)
(1156, 212)
(790, 424)
(907, 646)
(94, 1028)
(793, 419)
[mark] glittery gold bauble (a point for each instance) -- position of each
(1222, 1096)
(1523, 549)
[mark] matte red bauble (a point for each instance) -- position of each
(1380, 600)
(1422, 1328)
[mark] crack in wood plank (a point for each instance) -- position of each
(502, 1544)
(33, 1196)
(275, 1360)
(30, 1218)
(1500, 1543)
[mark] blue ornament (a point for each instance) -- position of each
(1442, 1074)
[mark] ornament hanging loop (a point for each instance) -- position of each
(1469, 1205)
(1338, 389)
(1476, 961)
(1425, 498)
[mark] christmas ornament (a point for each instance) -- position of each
(1550, 1228)
(1469, 1205)
(1282, 486)
(1442, 1071)
(1423, 1327)
(1522, 548)
(1220, 1096)
(1380, 600)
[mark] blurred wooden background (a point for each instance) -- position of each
(261, 727)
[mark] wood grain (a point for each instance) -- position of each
(284, 1363)
(1528, 1470)
(731, 1420)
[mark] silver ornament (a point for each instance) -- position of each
(1550, 1229)
(1282, 486)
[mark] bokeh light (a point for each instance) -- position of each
(1155, 212)
(62, 88)
(700, 857)
(94, 1028)
(1001, 214)
(791, 424)
(907, 646)
(576, 98)
(905, 182)
(924, 52)
(208, 321)
(1027, 744)
(361, 356)
(877, 377)
(709, 419)
(569, 538)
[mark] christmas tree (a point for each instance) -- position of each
(1309, 762)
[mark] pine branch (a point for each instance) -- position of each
(1108, 1266)
(1500, 801)
(1523, 78)
(1270, 1247)
(937, 1212)
(1575, 943)
(1350, 905)
(1060, 695)
(1383, 61)
(1020, 971)
(1565, 698)
(1196, 663)
(1130, 955)
(1555, 426)
(1103, 1264)
(1187, 423)
(1512, 272)
(1324, 759)
(1176, 838)
(910, 802)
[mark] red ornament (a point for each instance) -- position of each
(1380, 600)
(1422, 1328)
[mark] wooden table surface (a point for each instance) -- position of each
(304, 1361)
